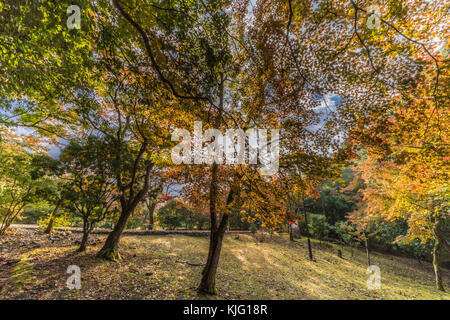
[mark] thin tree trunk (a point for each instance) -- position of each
(310, 253)
(366, 241)
(437, 256)
(49, 228)
(205, 284)
(151, 209)
(84, 239)
(323, 205)
(437, 265)
(291, 234)
(208, 282)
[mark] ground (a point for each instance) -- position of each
(34, 265)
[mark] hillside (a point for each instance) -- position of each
(168, 267)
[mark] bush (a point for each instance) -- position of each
(319, 227)
(61, 220)
(175, 214)
(33, 213)
(345, 233)
(236, 221)
(169, 217)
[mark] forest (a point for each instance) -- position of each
(224, 149)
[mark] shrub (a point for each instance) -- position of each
(319, 226)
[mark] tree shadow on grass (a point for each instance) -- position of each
(46, 277)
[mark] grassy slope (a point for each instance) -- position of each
(165, 267)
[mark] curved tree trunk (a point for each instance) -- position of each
(110, 249)
(84, 239)
(208, 282)
(49, 228)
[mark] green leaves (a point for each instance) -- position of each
(16, 184)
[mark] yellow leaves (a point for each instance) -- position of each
(406, 190)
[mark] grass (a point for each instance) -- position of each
(167, 267)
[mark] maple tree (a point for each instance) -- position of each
(92, 195)
(138, 69)
(407, 160)
(16, 186)
(51, 188)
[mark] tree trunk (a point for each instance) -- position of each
(151, 209)
(84, 239)
(291, 234)
(437, 256)
(437, 265)
(49, 228)
(366, 242)
(208, 282)
(110, 250)
(323, 205)
(310, 254)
